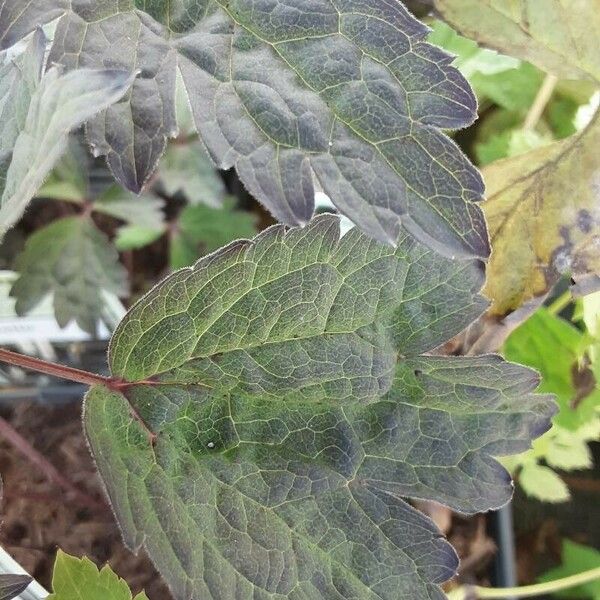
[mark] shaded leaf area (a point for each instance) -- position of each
(558, 37)
(558, 351)
(344, 91)
(76, 578)
(279, 407)
(542, 206)
(544, 219)
(73, 260)
(11, 586)
(37, 113)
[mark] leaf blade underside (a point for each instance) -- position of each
(288, 428)
(38, 112)
(347, 92)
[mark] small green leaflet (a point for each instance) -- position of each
(72, 259)
(12, 586)
(80, 579)
(37, 113)
(346, 93)
(276, 404)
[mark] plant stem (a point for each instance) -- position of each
(62, 371)
(541, 101)
(17, 441)
(537, 589)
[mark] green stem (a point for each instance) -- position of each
(538, 589)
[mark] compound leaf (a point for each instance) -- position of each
(275, 404)
(345, 91)
(559, 37)
(76, 579)
(73, 260)
(38, 112)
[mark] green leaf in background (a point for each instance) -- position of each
(73, 260)
(37, 113)
(80, 579)
(125, 206)
(470, 59)
(576, 559)
(554, 347)
(543, 483)
(12, 586)
(348, 94)
(186, 168)
(559, 37)
(275, 404)
(206, 228)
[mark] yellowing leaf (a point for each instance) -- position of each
(559, 37)
(543, 211)
(80, 579)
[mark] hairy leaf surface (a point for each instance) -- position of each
(279, 405)
(559, 37)
(37, 113)
(73, 260)
(76, 579)
(347, 92)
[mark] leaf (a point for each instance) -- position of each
(543, 483)
(552, 346)
(146, 212)
(569, 452)
(274, 405)
(470, 58)
(544, 219)
(576, 559)
(11, 586)
(559, 37)
(210, 228)
(79, 579)
(343, 91)
(73, 260)
(38, 113)
(186, 168)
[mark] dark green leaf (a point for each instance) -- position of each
(275, 406)
(74, 261)
(344, 91)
